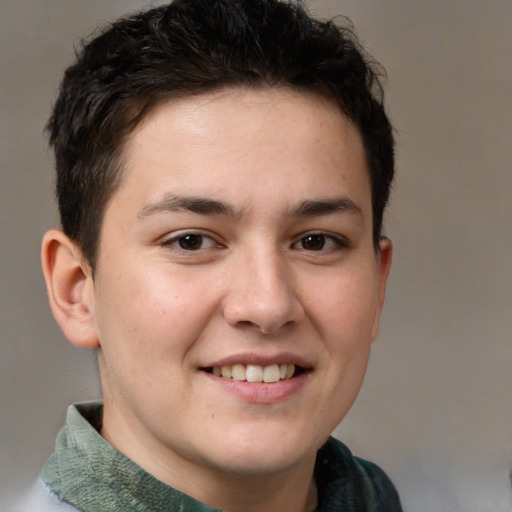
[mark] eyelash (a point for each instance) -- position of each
(333, 242)
(181, 236)
(336, 242)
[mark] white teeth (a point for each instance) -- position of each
(255, 372)
(226, 372)
(271, 373)
(238, 372)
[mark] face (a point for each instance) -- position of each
(237, 290)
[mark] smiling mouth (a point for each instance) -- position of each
(256, 373)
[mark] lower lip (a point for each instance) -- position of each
(261, 392)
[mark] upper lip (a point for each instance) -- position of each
(261, 360)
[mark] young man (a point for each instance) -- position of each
(222, 171)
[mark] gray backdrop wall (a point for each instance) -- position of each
(435, 410)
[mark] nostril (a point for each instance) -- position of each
(262, 297)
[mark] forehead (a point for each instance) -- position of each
(236, 139)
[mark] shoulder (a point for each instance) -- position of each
(383, 490)
(39, 499)
(358, 484)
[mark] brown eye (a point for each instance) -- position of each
(190, 242)
(313, 242)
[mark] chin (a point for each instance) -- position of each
(260, 465)
(267, 451)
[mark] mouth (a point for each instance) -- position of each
(255, 373)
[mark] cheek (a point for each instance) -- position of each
(344, 309)
(152, 312)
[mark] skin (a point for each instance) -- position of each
(271, 168)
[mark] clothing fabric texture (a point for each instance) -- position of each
(87, 474)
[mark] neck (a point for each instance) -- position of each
(292, 489)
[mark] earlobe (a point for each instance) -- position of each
(384, 258)
(70, 288)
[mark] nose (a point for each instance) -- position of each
(262, 293)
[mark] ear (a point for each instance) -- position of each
(384, 257)
(70, 288)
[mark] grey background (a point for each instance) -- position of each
(435, 409)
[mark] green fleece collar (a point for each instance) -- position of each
(89, 473)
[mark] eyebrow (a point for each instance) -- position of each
(199, 205)
(206, 206)
(320, 207)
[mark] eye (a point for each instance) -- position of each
(319, 242)
(313, 242)
(191, 241)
